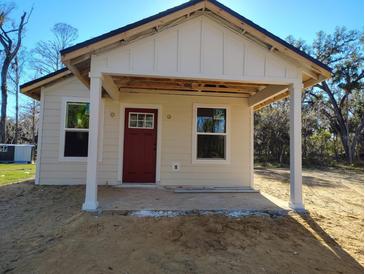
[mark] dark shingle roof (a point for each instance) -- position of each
(43, 77)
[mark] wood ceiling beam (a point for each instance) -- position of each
(75, 71)
(311, 74)
(186, 87)
(125, 82)
(193, 86)
(271, 100)
(312, 82)
(110, 87)
(180, 92)
(144, 79)
(266, 94)
(79, 59)
(154, 86)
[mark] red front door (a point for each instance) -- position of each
(140, 142)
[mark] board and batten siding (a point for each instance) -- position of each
(176, 139)
(199, 48)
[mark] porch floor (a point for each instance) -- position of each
(130, 199)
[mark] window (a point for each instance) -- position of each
(141, 120)
(210, 133)
(76, 129)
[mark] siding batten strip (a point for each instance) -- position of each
(201, 47)
(155, 55)
(177, 50)
(243, 58)
(223, 70)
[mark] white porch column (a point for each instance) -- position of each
(252, 149)
(91, 202)
(296, 201)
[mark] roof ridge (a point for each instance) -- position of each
(130, 26)
(188, 4)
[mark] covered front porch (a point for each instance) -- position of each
(257, 95)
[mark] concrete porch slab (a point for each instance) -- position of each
(129, 199)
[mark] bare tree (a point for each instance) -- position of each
(46, 55)
(15, 72)
(29, 118)
(11, 40)
(341, 95)
(27, 128)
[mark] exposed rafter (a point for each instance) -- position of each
(110, 87)
(271, 100)
(125, 82)
(266, 94)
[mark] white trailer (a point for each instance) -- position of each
(16, 153)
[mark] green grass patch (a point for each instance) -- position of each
(15, 173)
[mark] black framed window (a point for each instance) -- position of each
(211, 129)
(76, 129)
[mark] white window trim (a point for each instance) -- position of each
(61, 156)
(227, 160)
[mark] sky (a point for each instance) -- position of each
(95, 17)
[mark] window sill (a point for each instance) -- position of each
(212, 162)
(73, 159)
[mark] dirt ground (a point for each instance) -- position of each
(43, 231)
(334, 199)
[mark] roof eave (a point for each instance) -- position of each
(69, 53)
(271, 35)
(96, 42)
(32, 88)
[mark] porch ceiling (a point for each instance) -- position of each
(259, 94)
(127, 83)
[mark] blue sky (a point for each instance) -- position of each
(95, 17)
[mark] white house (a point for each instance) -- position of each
(169, 100)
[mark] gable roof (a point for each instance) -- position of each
(77, 57)
(191, 3)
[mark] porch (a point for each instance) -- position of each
(137, 91)
(166, 200)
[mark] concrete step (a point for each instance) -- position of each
(215, 190)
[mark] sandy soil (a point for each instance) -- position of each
(43, 231)
(334, 199)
